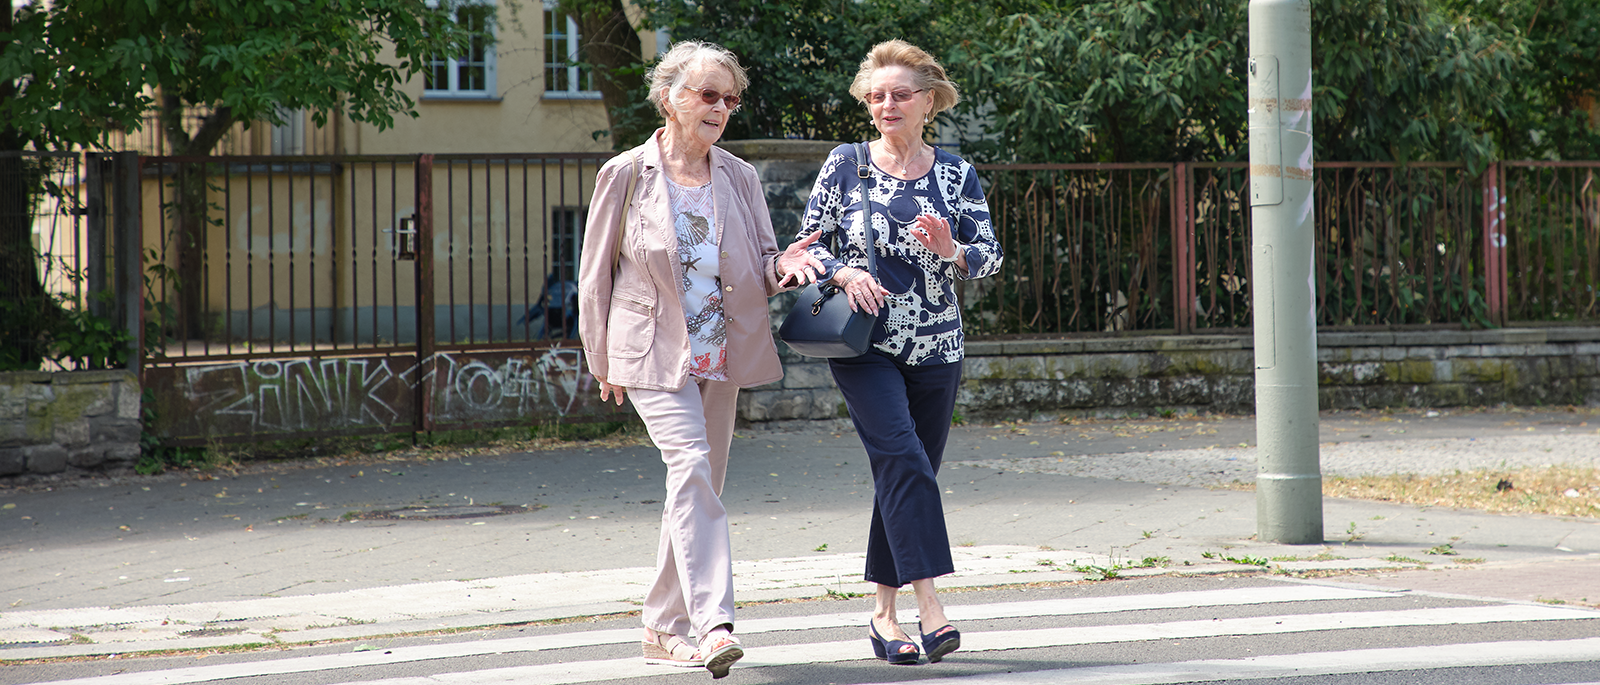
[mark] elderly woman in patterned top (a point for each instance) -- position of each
(679, 259)
(930, 227)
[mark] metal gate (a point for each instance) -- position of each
(345, 295)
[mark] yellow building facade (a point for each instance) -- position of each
(306, 245)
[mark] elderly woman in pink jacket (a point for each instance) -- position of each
(679, 258)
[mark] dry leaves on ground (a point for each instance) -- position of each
(1553, 490)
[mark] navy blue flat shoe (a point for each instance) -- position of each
(891, 650)
(940, 642)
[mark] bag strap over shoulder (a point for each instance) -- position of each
(864, 175)
(627, 203)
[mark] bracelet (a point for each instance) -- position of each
(952, 258)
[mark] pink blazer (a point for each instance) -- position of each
(630, 316)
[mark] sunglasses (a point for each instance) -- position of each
(711, 97)
(899, 96)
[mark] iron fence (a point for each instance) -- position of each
(58, 296)
(1550, 212)
(273, 256)
(316, 296)
(1398, 245)
(1165, 248)
(1088, 249)
(350, 294)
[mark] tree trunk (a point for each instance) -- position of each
(26, 312)
(191, 220)
(612, 45)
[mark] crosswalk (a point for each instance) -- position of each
(1010, 642)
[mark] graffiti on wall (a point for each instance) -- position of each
(516, 384)
(314, 394)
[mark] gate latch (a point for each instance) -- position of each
(405, 238)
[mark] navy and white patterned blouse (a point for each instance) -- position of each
(922, 323)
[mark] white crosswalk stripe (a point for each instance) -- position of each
(773, 652)
(1309, 664)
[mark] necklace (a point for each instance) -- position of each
(903, 165)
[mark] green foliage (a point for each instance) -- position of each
(1551, 111)
(1399, 80)
(236, 60)
(1110, 82)
(88, 341)
(1393, 80)
(801, 55)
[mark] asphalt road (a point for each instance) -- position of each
(527, 567)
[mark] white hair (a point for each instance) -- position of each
(668, 76)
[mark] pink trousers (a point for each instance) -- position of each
(693, 427)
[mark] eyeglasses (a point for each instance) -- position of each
(711, 97)
(899, 96)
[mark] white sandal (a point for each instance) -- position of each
(669, 650)
(724, 651)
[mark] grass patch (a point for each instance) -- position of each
(1552, 490)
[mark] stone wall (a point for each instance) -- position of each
(53, 422)
(1025, 379)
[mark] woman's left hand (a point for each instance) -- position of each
(934, 234)
(797, 265)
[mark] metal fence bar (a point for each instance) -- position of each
(426, 337)
(1095, 249)
(1551, 218)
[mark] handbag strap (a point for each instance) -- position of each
(864, 174)
(627, 203)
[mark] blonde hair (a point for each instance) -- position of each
(929, 73)
(669, 75)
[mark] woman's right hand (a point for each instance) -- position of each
(863, 291)
(608, 390)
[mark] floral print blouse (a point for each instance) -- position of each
(700, 279)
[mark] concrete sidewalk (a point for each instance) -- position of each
(288, 554)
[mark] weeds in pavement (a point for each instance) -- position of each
(1351, 531)
(1245, 560)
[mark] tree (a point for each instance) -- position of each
(77, 76)
(1159, 80)
(1554, 107)
(611, 49)
(801, 55)
(1111, 82)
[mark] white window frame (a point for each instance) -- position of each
(289, 138)
(575, 76)
(454, 64)
(567, 223)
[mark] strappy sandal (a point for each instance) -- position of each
(670, 650)
(890, 649)
(940, 642)
(724, 652)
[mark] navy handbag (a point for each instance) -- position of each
(821, 324)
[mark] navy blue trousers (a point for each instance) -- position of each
(902, 414)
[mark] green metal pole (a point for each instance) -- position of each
(1289, 474)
